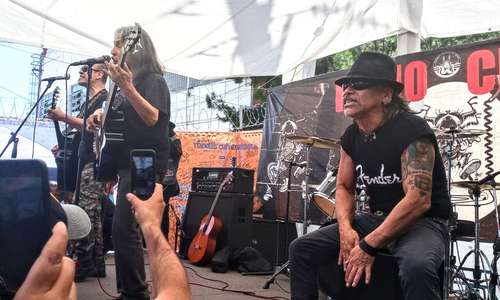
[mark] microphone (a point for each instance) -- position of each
(54, 78)
(91, 61)
(78, 221)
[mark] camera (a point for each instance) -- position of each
(143, 172)
(24, 218)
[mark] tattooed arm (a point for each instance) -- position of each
(417, 163)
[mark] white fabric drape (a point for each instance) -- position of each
(228, 38)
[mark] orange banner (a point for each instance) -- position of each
(211, 149)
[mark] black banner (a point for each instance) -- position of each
(449, 87)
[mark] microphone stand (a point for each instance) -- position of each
(178, 227)
(284, 266)
(13, 135)
(81, 146)
(492, 287)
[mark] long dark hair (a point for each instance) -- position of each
(398, 104)
(145, 59)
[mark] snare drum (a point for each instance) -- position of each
(323, 198)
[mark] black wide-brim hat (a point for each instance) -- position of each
(373, 67)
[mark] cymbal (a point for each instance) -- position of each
(458, 133)
(314, 141)
(471, 184)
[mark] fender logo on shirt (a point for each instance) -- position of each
(380, 179)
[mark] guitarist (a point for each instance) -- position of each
(89, 250)
(145, 101)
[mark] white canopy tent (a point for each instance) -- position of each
(229, 38)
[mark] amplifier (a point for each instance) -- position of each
(209, 180)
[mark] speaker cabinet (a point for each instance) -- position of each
(234, 210)
(270, 238)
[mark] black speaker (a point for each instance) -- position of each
(234, 210)
(269, 237)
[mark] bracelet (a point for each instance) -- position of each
(367, 248)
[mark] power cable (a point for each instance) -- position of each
(226, 289)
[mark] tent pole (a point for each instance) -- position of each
(407, 42)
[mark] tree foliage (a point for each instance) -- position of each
(251, 117)
(343, 60)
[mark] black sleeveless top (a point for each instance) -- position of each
(377, 162)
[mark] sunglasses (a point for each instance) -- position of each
(358, 85)
(84, 69)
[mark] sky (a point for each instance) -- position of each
(15, 63)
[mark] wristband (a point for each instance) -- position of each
(367, 248)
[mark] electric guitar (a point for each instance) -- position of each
(67, 154)
(202, 247)
(109, 138)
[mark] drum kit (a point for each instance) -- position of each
(456, 285)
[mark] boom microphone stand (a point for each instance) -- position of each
(13, 135)
(284, 266)
(81, 146)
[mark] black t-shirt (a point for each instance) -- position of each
(138, 135)
(377, 162)
(86, 154)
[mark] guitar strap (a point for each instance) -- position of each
(92, 101)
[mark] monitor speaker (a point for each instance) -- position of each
(270, 238)
(234, 210)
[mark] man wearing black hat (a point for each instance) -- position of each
(392, 155)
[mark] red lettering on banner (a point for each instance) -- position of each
(415, 80)
(477, 62)
(339, 102)
(398, 73)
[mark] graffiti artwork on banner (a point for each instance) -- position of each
(290, 151)
(456, 91)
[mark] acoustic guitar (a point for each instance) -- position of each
(109, 139)
(202, 247)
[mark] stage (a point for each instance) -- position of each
(90, 289)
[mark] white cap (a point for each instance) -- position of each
(78, 221)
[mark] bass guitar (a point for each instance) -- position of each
(109, 139)
(202, 247)
(66, 156)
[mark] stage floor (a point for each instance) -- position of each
(91, 288)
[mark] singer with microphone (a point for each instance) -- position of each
(145, 102)
(394, 154)
(89, 251)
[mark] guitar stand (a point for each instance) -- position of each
(13, 135)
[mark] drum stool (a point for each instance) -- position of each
(384, 283)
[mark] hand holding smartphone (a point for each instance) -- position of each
(143, 170)
(24, 218)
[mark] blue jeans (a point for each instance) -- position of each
(419, 254)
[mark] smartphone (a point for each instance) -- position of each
(24, 218)
(143, 172)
